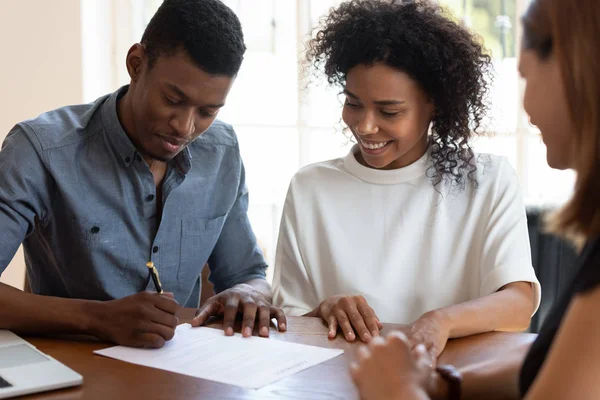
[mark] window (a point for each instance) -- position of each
(261, 27)
(497, 22)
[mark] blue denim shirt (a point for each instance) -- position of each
(76, 193)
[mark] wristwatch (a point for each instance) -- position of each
(454, 379)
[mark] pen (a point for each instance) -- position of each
(154, 275)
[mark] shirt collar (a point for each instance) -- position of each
(385, 177)
(121, 143)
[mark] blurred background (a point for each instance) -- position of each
(63, 52)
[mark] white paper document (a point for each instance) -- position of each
(208, 354)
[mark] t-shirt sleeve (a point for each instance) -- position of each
(506, 255)
(292, 286)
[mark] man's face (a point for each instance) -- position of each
(172, 103)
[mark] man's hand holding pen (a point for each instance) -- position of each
(144, 319)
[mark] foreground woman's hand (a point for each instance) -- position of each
(392, 368)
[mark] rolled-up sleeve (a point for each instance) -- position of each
(506, 256)
(25, 187)
(237, 258)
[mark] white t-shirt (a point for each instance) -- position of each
(391, 236)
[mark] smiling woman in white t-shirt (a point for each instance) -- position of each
(411, 226)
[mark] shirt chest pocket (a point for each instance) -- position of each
(198, 239)
(100, 252)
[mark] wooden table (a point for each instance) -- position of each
(108, 379)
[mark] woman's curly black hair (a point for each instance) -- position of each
(419, 38)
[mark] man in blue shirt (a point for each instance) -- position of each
(96, 191)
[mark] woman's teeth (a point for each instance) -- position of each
(374, 146)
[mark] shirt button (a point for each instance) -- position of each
(155, 249)
(150, 197)
(95, 229)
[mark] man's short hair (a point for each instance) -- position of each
(207, 30)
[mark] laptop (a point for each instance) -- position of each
(24, 369)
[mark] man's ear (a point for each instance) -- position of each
(135, 61)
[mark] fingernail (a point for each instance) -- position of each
(229, 331)
(375, 333)
(248, 331)
(264, 331)
(367, 337)
(282, 326)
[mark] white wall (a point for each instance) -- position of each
(97, 42)
(40, 69)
